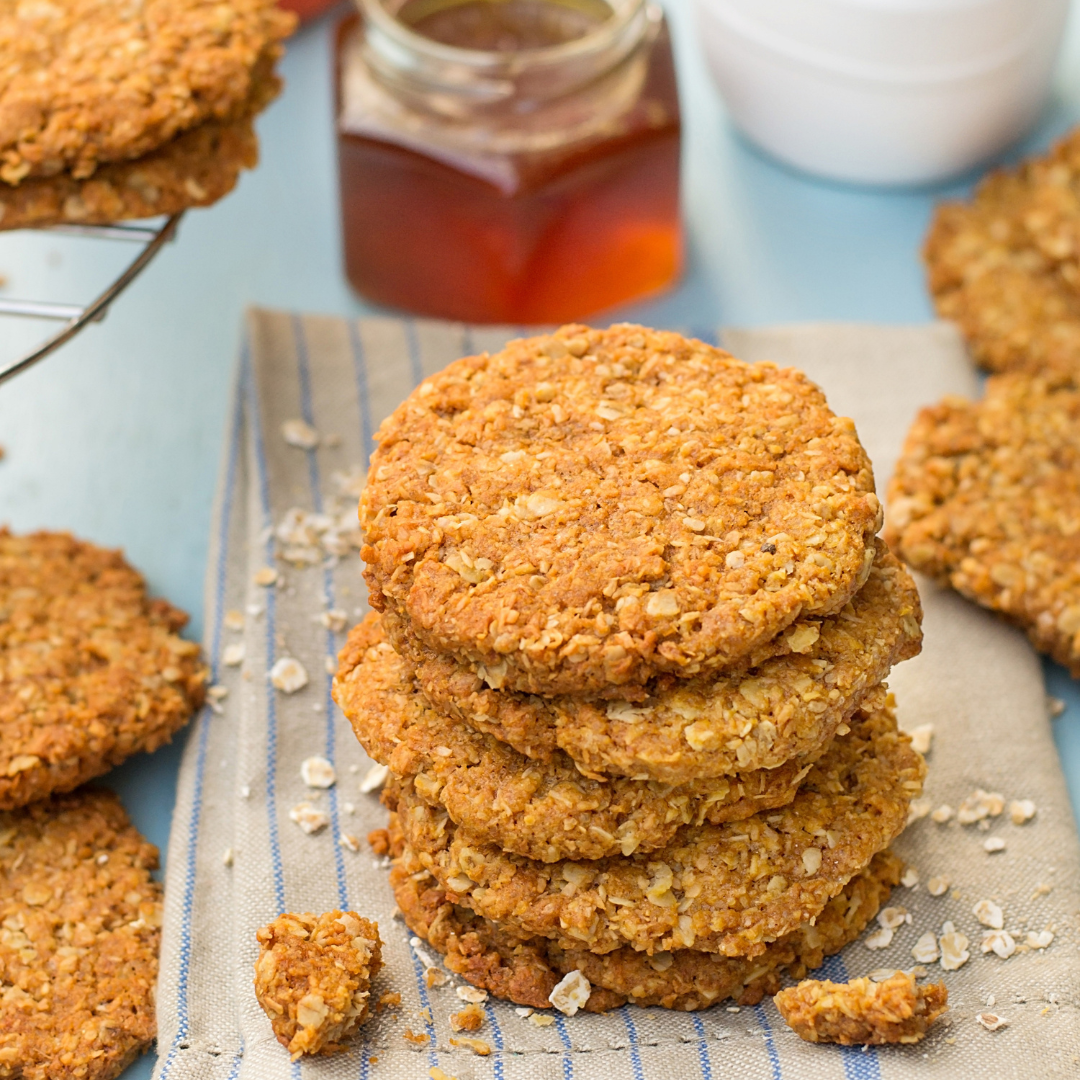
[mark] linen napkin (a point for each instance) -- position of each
(283, 586)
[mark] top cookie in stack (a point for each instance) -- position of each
(115, 110)
(583, 513)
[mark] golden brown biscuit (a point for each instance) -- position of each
(588, 509)
(87, 82)
(1005, 268)
(313, 978)
(196, 168)
(728, 889)
(862, 1012)
(545, 811)
(526, 971)
(789, 706)
(79, 942)
(986, 498)
(91, 669)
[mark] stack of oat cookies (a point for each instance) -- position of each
(626, 669)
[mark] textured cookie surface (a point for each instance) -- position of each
(718, 888)
(986, 498)
(196, 168)
(542, 810)
(788, 706)
(896, 1010)
(1006, 267)
(86, 82)
(525, 972)
(91, 669)
(587, 509)
(313, 978)
(80, 918)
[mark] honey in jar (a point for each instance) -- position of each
(508, 161)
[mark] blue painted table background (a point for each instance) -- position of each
(117, 437)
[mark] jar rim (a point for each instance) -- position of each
(597, 40)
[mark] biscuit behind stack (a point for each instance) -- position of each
(111, 111)
(626, 670)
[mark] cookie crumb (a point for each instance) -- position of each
(471, 1018)
(570, 993)
(942, 814)
(922, 737)
(435, 1073)
(334, 620)
(1054, 706)
(477, 1046)
(434, 977)
(310, 818)
(233, 655)
(288, 675)
(420, 1038)
(1021, 811)
(391, 999)
(313, 978)
(300, 434)
(472, 994)
(979, 806)
(862, 1012)
(918, 809)
(350, 842)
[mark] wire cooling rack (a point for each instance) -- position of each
(152, 239)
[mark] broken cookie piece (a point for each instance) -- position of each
(862, 1012)
(313, 978)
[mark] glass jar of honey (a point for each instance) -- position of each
(508, 161)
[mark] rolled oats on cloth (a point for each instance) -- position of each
(252, 838)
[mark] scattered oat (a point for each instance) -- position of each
(349, 808)
(938, 886)
(477, 1046)
(921, 737)
(910, 878)
(255, 610)
(538, 1019)
(233, 619)
(918, 809)
(1021, 810)
(233, 656)
(524, 1012)
(1040, 940)
(881, 974)
(331, 665)
(310, 818)
(217, 693)
(980, 805)
(435, 1073)
(989, 914)
(1000, 942)
(991, 1021)
(417, 946)
(374, 779)
(993, 844)
(335, 619)
(570, 993)
(420, 1038)
(265, 576)
(1054, 706)
(227, 858)
(891, 918)
(288, 675)
(471, 1018)
(954, 949)
(300, 434)
(879, 939)
(317, 772)
(472, 994)
(350, 842)
(434, 977)
(942, 814)
(308, 539)
(925, 950)
(391, 999)
(245, 791)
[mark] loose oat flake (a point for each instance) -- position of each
(300, 434)
(980, 805)
(879, 939)
(989, 914)
(541, 1019)
(942, 814)
(921, 737)
(891, 918)
(333, 619)
(233, 619)
(918, 809)
(1021, 810)
(352, 843)
(1040, 940)
(317, 772)
(233, 656)
(925, 950)
(954, 950)
(265, 576)
(938, 886)
(310, 818)
(374, 779)
(471, 994)
(1000, 942)
(571, 993)
(288, 675)
(991, 1021)
(993, 844)
(910, 878)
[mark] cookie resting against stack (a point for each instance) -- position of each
(113, 111)
(626, 666)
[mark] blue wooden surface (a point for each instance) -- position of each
(117, 437)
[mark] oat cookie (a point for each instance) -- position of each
(986, 498)
(313, 978)
(789, 706)
(87, 82)
(545, 811)
(79, 942)
(526, 971)
(91, 669)
(197, 168)
(591, 508)
(1005, 266)
(727, 888)
(862, 1012)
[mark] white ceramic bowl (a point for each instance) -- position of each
(883, 91)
